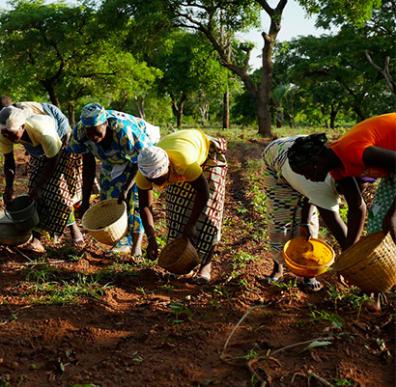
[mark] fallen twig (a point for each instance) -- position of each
(320, 379)
(301, 343)
(222, 356)
(15, 249)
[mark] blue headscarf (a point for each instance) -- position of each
(93, 114)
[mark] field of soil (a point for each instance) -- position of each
(77, 318)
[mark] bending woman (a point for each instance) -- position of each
(116, 139)
(292, 201)
(368, 149)
(192, 167)
(54, 176)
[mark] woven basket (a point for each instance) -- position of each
(370, 264)
(106, 221)
(11, 235)
(179, 256)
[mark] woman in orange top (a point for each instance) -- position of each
(368, 149)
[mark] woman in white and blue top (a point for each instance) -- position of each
(292, 201)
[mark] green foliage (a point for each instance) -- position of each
(341, 11)
(191, 73)
(285, 285)
(180, 313)
(343, 382)
(331, 82)
(323, 315)
(239, 262)
(351, 298)
(63, 52)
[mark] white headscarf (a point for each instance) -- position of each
(16, 118)
(153, 162)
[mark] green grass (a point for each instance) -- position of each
(322, 315)
(239, 262)
(351, 298)
(343, 382)
(65, 292)
(179, 313)
(64, 252)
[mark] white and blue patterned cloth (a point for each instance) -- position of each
(129, 138)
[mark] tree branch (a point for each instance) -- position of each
(266, 6)
(384, 72)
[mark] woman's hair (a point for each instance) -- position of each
(301, 152)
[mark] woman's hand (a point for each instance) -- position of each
(190, 232)
(152, 248)
(305, 231)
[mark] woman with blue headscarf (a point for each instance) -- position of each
(116, 139)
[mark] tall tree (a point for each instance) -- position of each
(189, 67)
(212, 17)
(64, 52)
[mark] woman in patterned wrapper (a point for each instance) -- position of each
(54, 176)
(192, 167)
(115, 138)
(292, 204)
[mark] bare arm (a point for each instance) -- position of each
(377, 157)
(131, 171)
(335, 224)
(88, 177)
(201, 198)
(9, 174)
(146, 213)
(306, 214)
(356, 209)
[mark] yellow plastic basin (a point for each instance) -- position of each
(308, 258)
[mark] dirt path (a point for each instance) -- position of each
(80, 319)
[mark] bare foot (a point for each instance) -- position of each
(204, 274)
(137, 239)
(77, 236)
(34, 245)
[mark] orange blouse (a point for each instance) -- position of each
(378, 131)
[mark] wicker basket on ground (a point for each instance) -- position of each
(370, 264)
(106, 221)
(179, 256)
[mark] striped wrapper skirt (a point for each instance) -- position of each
(180, 199)
(63, 189)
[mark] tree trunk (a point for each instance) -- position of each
(264, 89)
(263, 110)
(71, 113)
(359, 112)
(226, 109)
(140, 105)
(178, 108)
(179, 115)
(333, 115)
(50, 89)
